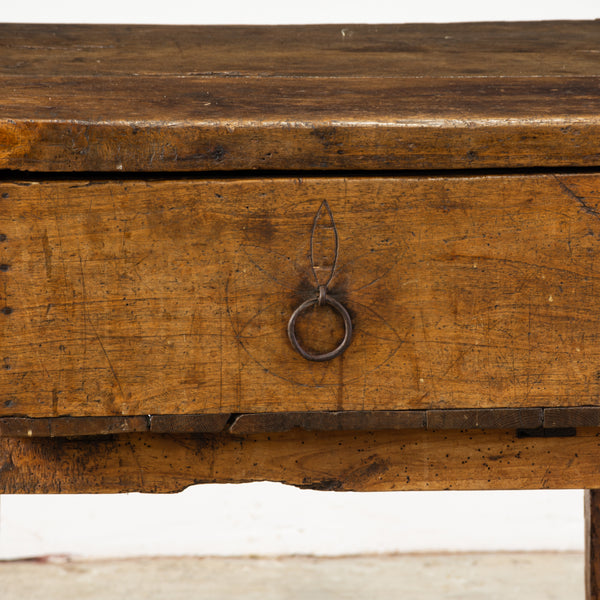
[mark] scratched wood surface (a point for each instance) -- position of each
(343, 460)
(148, 98)
(537, 419)
(81, 426)
(460, 49)
(172, 297)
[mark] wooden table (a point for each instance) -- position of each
(423, 200)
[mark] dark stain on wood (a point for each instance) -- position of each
(549, 432)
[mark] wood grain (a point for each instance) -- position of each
(83, 426)
(328, 421)
(534, 49)
(188, 423)
(592, 544)
(498, 418)
(124, 298)
(440, 419)
(139, 98)
(529, 421)
(585, 416)
(361, 461)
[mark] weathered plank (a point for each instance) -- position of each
(524, 419)
(84, 426)
(26, 427)
(66, 426)
(70, 426)
(366, 461)
(529, 49)
(584, 416)
(172, 297)
(138, 98)
(493, 418)
(484, 418)
(188, 423)
(328, 421)
(592, 544)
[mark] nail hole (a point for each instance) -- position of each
(7, 310)
(4, 267)
(2, 237)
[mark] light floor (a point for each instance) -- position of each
(534, 576)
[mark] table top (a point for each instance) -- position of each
(368, 97)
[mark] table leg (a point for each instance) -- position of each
(592, 544)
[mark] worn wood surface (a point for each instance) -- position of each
(528, 49)
(81, 426)
(188, 423)
(147, 98)
(485, 418)
(592, 544)
(172, 297)
(329, 421)
(586, 416)
(363, 461)
(531, 419)
(507, 418)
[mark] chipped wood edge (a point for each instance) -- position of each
(252, 423)
(86, 426)
(410, 459)
(328, 421)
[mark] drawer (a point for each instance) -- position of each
(138, 297)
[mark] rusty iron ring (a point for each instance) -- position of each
(320, 300)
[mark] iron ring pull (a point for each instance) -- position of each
(321, 299)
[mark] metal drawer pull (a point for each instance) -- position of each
(322, 297)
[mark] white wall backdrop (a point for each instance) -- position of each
(273, 519)
(280, 11)
(267, 518)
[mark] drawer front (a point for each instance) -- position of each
(138, 297)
